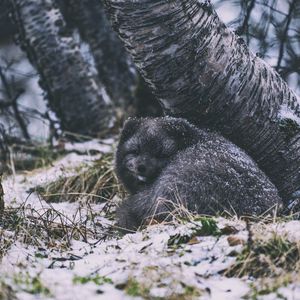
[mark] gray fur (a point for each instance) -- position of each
(193, 167)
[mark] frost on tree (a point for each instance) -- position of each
(202, 71)
(73, 90)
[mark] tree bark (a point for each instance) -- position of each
(74, 92)
(115, 68)
(202, 71)
(8, 29)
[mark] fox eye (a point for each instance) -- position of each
(168, 149)
(164, 154)
(133, 152)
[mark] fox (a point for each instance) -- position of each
(164, 162)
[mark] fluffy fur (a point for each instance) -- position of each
(166, 162)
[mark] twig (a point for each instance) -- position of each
(244, 27)
(285, 34)
(13, 97)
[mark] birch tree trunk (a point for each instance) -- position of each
(202, 71)
(7, 27)
(115, 68)
(74, 92)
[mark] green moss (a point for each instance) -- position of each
(133, 288)
(32, 285)
(97, 279)
(40, 255)
(191, 292)
(208, 227)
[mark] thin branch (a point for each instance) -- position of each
(244, 27)
(13, 97)
(272, 8)
(5, 104)
(285, 34)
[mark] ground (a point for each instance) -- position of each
(56, 249)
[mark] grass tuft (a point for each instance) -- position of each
(266, 258)
(97, 183)
(134, 289)
(6, 292)
(266, 286)
(30, 157)
(208, 226)
(50, 228)
(32, 285)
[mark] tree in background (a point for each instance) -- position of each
(115, 69)
(83, 67)
(74, 91)
(270, 28)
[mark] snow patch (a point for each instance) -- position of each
(171, 50)
(286, 112)
(105, 146)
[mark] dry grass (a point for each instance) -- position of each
(49, 228)
(6, 292)
(266, 286)
(97, 183)
(267, 258)
(29, 157)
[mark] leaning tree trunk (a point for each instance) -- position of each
(73, 90)
(115, 67)
(202, 71)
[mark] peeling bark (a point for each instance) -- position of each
(73, 90)
(202, 71)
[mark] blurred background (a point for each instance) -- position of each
(33, 101)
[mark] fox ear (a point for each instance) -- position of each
(129, 128)
(182, 131)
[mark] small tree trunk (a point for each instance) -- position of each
(73, 90)
(115, 67)
(1, 197)
(8, 29)
(202, 71)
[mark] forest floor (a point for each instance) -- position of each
(58, 241)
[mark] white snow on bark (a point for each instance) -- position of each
(286, 112)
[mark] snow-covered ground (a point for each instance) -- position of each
(165, 261)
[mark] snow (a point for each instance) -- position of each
(219, 287)
(286, 112)
(105, 96)
(92, 145)
(170, 50)
(144, 256)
